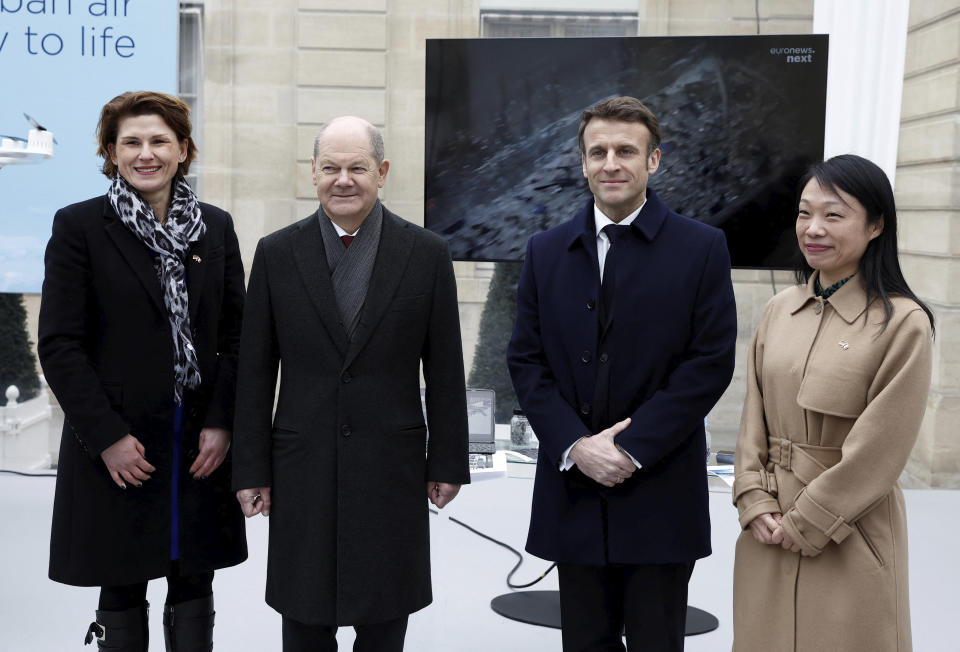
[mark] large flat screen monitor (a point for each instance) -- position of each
(742, 117)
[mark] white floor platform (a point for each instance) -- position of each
(38, 615)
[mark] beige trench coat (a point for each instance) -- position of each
(833, 408)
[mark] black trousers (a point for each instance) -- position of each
(377, 637)
(647, 602)
(179, 589)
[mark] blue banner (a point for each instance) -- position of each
(60, 62)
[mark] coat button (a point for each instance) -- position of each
(346, 377)
(345, 430)
(591, 304)
(585, 409)
(586, 357)
(818, 308)
(603, 358)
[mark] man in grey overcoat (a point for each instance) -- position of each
(349, 301)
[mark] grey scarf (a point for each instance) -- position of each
(350, 268)
(170, 241)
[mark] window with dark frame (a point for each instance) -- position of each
(190, 76)
(555, 24)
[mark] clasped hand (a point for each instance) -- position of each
(768, 529)
(126, 458)
(600, 459)
(213, 445)
(126, 461)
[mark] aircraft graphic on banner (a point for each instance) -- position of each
(36, 147)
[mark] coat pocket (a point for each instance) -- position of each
(215, 253)
(871, 546)
(838, 394)
(413, 302)
(114, 392)
(285, 439)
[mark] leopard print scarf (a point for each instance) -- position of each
(170, 241)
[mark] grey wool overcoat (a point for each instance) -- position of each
(346, 453)
(834, 404)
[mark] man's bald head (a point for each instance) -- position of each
(348, 170)
(347, 125)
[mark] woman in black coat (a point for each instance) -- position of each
(139, 331)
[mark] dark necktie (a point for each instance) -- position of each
(347, 239)
(614, 232)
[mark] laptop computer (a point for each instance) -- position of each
(481, 414)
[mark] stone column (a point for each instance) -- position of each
(928, 204)
(249, 127)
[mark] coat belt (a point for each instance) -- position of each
(789, 456)
(798, 458)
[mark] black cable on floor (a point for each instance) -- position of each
(508, 547)
(29, 475)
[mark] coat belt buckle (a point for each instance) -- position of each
(786, 454)
(768, 481)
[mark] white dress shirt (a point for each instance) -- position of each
(341, 232)
(603, 246)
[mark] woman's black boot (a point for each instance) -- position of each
(120, 631)
(188, 626)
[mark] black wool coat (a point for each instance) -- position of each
(346, 453)
(107, 353)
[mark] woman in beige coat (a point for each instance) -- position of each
(838, 374)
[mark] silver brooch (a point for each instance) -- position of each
(844, 344)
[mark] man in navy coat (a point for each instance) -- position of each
(624, 341)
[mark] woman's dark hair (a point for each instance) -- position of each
(171, 109)
(880, 265)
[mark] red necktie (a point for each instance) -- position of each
(347, 239)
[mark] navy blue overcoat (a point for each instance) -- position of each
(671, 351)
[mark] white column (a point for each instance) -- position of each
(868, 40)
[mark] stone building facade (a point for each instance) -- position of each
(275, 71)
(928, 202)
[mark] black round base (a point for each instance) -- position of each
(543, 608)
